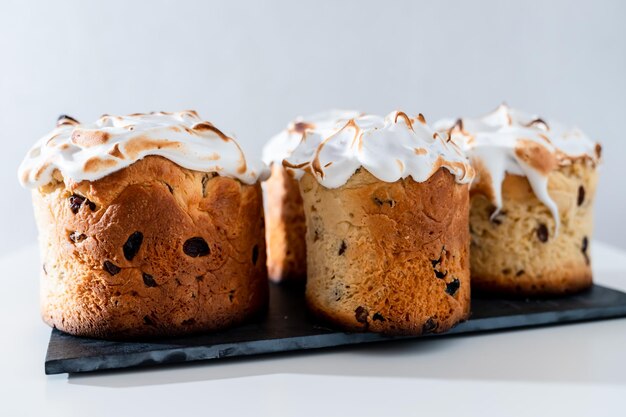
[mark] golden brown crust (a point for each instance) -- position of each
(286, 227)
(101, 279)
(517, 252)
(388, 257)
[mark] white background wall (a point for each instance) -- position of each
(252, 66)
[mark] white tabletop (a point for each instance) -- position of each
(576, 369)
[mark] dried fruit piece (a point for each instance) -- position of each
(440, 275)
(111, 268)
(542, 233)
(584, 247)
(581, 195)
(196, 246)
(149, 280)
(342, 248)
(453, 286)
(77, 237)
(378, 317)
(437, 262)
(360, 313)
(76, 201)
(429, 326)
(132, 245)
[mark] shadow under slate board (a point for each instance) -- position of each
(288, 327)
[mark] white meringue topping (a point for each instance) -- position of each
(390, 148)
(283, 144)
(93, 151)
(509, 141)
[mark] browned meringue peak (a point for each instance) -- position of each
(509, 141)
(390, 148)
(281, 145)
(92, 151)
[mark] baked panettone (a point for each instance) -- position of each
(149, 225)
(531, 203)
(386, 202)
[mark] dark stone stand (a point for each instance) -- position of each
(288, 327)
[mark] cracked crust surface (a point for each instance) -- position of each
(388, 257)
(517, 252)
(198, 266)
(285, 227)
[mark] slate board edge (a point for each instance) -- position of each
(219, 351)
(258, 347)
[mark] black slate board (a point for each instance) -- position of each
(288, 327)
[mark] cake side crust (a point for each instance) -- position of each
(151, 250)
(518, 251)
(388, 257)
